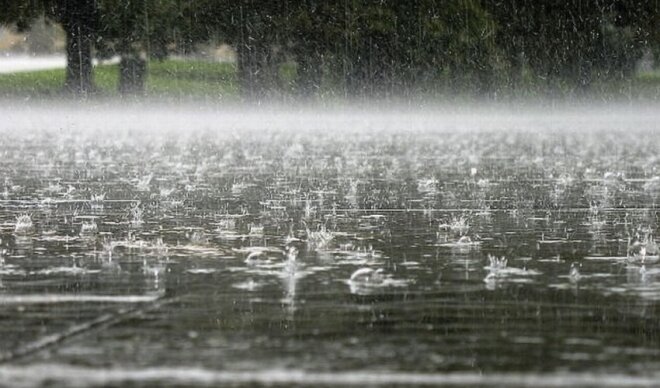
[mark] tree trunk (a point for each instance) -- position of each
(132, 74)
(245, 72)
(356, 75)
(254, 71)
(78, 21)
(309, 73)
(516, 74)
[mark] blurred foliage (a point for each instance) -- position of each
(381, 47)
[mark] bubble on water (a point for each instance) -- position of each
(248, 285)
(574, 274)
(88, 228)
(365, 281)
(366, 276)
(491, 281)
(261, 254)
(201, 271)
(198, 237)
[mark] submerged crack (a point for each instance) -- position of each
(104, 321)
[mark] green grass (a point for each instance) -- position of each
(45, 82)
(193, 80)
(166, 79)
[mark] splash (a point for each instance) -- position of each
(24, 225)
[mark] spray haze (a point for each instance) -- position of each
(335, 192)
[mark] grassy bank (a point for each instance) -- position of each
(212, 81)
(167, 79)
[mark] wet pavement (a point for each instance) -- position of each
(443, 254)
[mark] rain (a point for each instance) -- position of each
(336, 193)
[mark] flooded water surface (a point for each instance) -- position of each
(154, 249)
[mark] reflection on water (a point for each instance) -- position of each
(435, 257)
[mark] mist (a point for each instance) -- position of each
(330, 193)
(166, 118)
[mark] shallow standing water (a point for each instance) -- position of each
(205, 248)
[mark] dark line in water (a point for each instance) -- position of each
(103, 321)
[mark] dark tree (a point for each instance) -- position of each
(573, 43)
(362, 47)
(123, 32)
(79, 20)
